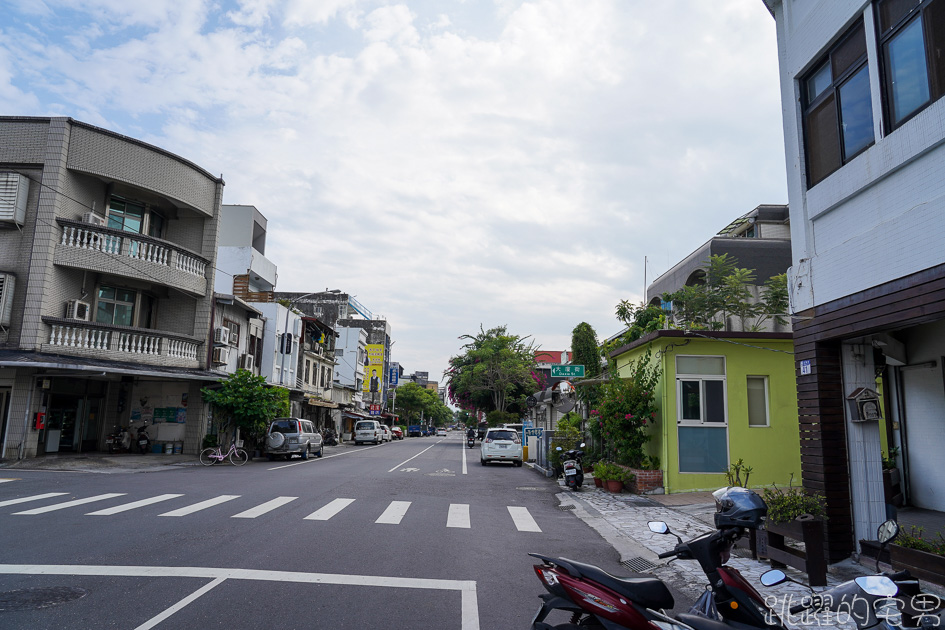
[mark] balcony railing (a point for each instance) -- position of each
(154, 251)
(120, 343)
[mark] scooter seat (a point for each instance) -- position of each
(647, 592)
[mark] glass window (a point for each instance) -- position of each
(912, 39)
(838, 109)
(690, 400)
(115, 306)
(125, 215)
(757, 401)
(700, 365)
(156, 225)
(703, 449)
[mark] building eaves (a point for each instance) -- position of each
(702, 334)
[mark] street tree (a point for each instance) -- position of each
(586, 351)
(494, 372)
(248, 402)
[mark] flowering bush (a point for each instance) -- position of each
(625, 412)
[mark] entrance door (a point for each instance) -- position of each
(62, 422)
(925, 435)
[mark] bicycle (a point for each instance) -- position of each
(237, 456)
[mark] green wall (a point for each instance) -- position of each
(773, 451)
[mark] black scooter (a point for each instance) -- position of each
(144, 440)
(470, 441)
(573, 470)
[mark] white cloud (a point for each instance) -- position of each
(506, 163)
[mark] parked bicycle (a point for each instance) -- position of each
(212, 455)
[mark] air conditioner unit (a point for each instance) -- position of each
(14, 191)
(76, 309)
(246, 362)
(94, 219)
(7, 282)
(221, 335)
(221, 355)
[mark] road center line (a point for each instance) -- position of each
(470, 608)
(173, 609)
(463, 445)
(405, 461)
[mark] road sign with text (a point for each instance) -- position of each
(567, 371)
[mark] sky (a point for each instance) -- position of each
(451, 163)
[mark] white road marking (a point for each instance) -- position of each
(6, 480)
(69, 504)
(394, 513)
(467, 588)
(325, 513)
(203, 505)
(36, 497)
(458, 515)
(463, 444)
(133, 505)
(523, 520)
(150, 623)
(268, 506)
(310, 459)
(407, 460)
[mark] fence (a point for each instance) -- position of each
(543, 456)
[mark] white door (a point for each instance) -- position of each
(925, 435)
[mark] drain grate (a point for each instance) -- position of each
(639, 565)
(566, 507)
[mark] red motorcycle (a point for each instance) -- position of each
(597, 599)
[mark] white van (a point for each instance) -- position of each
(368, 431)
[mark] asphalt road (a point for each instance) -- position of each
(414, 534)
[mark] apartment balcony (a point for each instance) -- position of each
(98, 248)
(121, 343)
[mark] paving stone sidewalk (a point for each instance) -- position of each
(621, 519)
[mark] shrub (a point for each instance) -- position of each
(785, 505)
(913, 540)
(609, 471)
(626, 411)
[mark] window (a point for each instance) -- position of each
(324, 373)
(132, 216)
(701, 414)
(234, 331)
(758, 401)
(308, 366)
(115, 306)
(912, 39)
(838, 112)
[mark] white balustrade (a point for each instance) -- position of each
(149, 252)
(181, 349)
(191, 265)
(90, 238)
(137, 343)
(79, 337)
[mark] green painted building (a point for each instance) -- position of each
(722, 396)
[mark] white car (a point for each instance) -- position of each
(501, 445)
(387, 435)
(368, 431)
(440, 432)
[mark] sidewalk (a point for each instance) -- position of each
(621, 519)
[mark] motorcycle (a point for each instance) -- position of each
(887, 601)
(573, 470)
(115, 441)
(595, 598)
(328, 437)
(470, 441)
(143, 439)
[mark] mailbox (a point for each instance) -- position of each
(40, 420)
(863, 404)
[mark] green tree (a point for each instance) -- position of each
(586, 351)
(494, 372)
(248, 401)
(411, 399)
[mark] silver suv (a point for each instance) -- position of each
(292, 436)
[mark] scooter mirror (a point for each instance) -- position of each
(559, 449)
(887, 531)
(582, 445)
(658, 527)
(877, 585)
(772, 577)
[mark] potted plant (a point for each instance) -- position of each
(613, 476)
(799, 515)
(923, 556)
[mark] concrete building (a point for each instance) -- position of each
(864, 132)
(105, 312)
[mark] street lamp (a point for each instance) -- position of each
(285, 331)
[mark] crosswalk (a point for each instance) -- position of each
(458, 515)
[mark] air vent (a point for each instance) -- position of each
(14, 191)
(7, 283)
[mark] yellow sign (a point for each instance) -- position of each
(374, 370)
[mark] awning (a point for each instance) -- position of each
(37, 360)
(356, 415)
(314, 402)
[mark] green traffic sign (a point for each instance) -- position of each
(567, 371)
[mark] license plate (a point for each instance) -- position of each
(570, 471)
(142, 442)
(503, 445)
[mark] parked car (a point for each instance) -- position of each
(440, 432)
(414, 430)
(501, 445)
(386, 434)
(368, 431)
(397, 433)
(292, 436)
